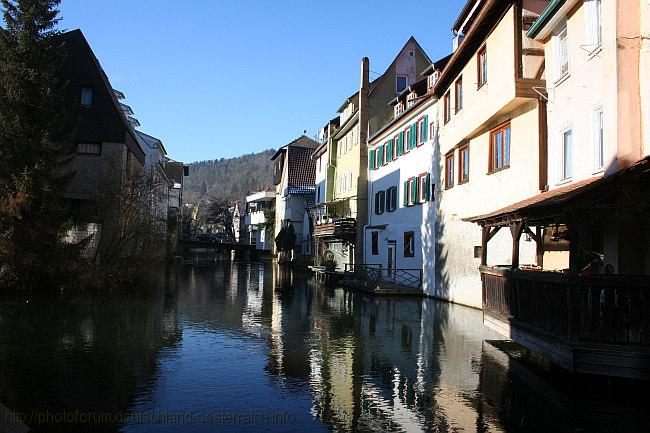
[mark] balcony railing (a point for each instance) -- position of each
(610, 309)
(336, 227)
(375, 278)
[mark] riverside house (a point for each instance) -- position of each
(402, 212)
(293, 175)
(492, 139)
(584, 304)
(258, 206)
(341, 217)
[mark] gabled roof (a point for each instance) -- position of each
(78, 35)
(151, 140)
(302, 141)
(302, 168)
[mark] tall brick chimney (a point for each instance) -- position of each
(362, 185)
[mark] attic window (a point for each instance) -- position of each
(87, 93)
(399, 109)
(401, 83)
(411, 53)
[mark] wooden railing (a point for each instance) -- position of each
(572, 308)
(341, 227)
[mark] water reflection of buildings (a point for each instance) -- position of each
(89, 353)
(371, 364)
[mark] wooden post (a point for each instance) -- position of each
(540, 246)
(574, 247)
(516, 229)
(484, 241)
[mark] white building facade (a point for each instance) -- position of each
(399, 236)
(258, 231)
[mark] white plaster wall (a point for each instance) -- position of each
(458, 276)
(321, 177)
(644, 74)
(419, 218)
(572, 103)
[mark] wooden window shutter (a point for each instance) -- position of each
(406, 194)
(371, 159)
(425, 129)
(414, 190)
(400, 144)
(426, 193)
(390, 150)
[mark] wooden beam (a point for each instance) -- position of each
(540, 246)
(516, 229)
(488, 233)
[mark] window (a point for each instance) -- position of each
(567, 143)
(395, 144)
(401, 83)
(447, 107)
(407, 135)
(481, 59)
(463, 164)
(410, 191)
(318, 199)
(409, 244)
(593, 21)
(599, 139)
(350, 180)
(432, 130)
(89, 149)
(387, 153)
(391, 199)
(374, 242)
(422, 130)
(380, 200)
(449, 171)
(561, 50)
(87, 94)
(459, 94)
(499, 148)
(424, 189)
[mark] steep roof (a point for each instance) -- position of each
(74, 38)
(302, 141)
(302, 168)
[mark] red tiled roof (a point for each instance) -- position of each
(302, 168)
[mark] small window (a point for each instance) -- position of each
(401, 83)
(567, 144)
(409, 244)
(87, 96)
(407, 140)
(499, 148)
(424, 189)
(432, 130)
(463, 164)
(422, 131)
(391, 199)
(447, 107)
(374, 242)
(380, 200)
(459, 94)
(395, 140)
(449, 171)
(593, 20)
(561, 45)
(599, 139)
(89, 149)
(481, 59)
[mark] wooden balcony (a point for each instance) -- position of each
(596, 325)
(344, 228)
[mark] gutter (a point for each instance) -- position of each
(551, 9)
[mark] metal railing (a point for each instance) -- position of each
(371, 276)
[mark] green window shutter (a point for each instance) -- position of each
(414, 135)
(414, 190)
(371, 159)
(400, 144)
(380, 156)
(390, 150)
(427, 187)
(405, 196)
(425, 131)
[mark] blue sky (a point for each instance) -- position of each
(216, 79)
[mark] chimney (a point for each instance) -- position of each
(362, 183)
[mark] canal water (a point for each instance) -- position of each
(254, 347)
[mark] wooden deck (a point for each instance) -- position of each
(595, 325)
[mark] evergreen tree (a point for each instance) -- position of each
(36, 142)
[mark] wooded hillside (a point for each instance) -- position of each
(230, 178)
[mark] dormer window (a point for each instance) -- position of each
(399, 109)
(411, 99)
(431, 82)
